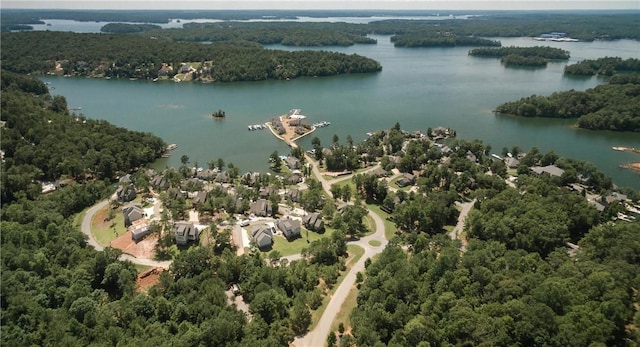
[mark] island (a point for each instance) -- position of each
(219, 114)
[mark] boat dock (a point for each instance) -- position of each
(256, 127)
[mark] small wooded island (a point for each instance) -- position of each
(219, 114)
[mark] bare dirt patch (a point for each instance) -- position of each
(100, 219)
(148, 279)
(142, 249)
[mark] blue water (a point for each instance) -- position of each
(419, 88)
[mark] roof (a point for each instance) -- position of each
(550, 169)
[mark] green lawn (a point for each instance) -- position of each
(375, 243)
(355, 253)
(286, 247)
(104, 233)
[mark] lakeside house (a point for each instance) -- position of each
(549, 169)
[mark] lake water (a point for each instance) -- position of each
(418, 87)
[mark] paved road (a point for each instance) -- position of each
(86, 229)
(462, 217)
(318, 336)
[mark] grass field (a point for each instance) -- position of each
(286, 247)
(105, 232)
(355, 252)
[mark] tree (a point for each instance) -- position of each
(276, 162)
(332, 339)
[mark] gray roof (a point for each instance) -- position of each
(550, 169)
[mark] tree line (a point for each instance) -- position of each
(134, 56)
(605, 107)
(41, 140)
(607, 66)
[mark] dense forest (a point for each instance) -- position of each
(284, 33)
(133, 56)
(585, 26)
(607, 107)
(607, 66)
(441, 40)
(537, 51)
(126, 28)
(42, 141)
(492, 295)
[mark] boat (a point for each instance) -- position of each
(171, 147)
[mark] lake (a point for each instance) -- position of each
(418, 87)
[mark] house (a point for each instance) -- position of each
(293, 195)
(549, 169)
(160, 182)
(140, 229)
(207, 174)
(199, 198)
(379, 172)
(223, 177)
(292, 162)
(266, 192)
(126, 193)
(313, 221)
(185, 232)
(406, 180)
(261, 208)
(126, 179)
(295, 178)
(251, 178)
(175, 193)
(263, 237)
(512, 163)
(290, 228)
(132, 213)
(615, 196)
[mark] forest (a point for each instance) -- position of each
(441, 40)
(268, 33)
(613, 106)
(607, 66)
(537, 51)
(41, 140)
(133, 56)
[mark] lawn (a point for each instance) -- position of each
(105, 232)
(355, 252)
(285, 247)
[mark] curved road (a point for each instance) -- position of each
(86, 229)
(318, 336)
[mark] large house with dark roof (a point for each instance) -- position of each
(132, 213)
(261, 208)
(185, 232)
(290, 228)
(263, 237)
(313, 221)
